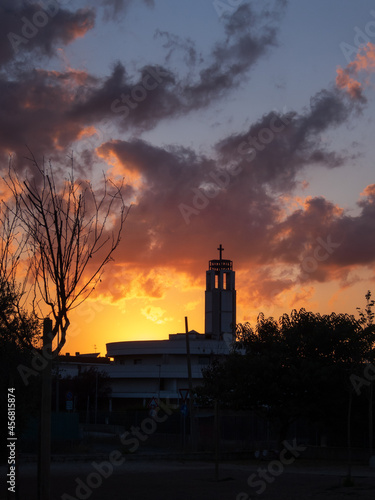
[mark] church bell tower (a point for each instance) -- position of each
(220, 298)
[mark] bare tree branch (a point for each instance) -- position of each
(63, 226)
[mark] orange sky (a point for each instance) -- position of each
(144, 317)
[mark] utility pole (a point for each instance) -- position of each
(57, 386)
(44, 459)
(96, 396)
(191, 403)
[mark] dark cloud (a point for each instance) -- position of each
(249, 36)
(295, 237)
(174, 43)
(325, 241)
(32, 28)
(327, 109)
(279, 145)
(357, 233)
(49, 110)
(159, 93)
(35, 113)
(176, 177)
(181, 191)
(233, 206)
(140, 104)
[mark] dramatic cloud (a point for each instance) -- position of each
(242, 191)
(141, 104)
(279, 145)
(325, 240)
(38, 28)
(35, 113)
(249, 36)
(35, 103)
(50, 110)
(160, 93)
(179, 193)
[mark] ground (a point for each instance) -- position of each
(178, 480)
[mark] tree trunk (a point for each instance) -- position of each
(370, 421)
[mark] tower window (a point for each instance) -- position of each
(216, 281)
(224, 281)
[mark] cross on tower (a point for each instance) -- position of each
(220, 250)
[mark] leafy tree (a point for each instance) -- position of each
(296, 367)
(18, 330)
(367, 322)
(366, 317)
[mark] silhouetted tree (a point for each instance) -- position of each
(18, 330)
(367, 322)
(299, 366)
(69, 232)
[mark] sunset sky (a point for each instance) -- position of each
(245, 123)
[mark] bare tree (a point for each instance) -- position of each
(69, 232)
(11, 244)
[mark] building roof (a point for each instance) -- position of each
(174, 345)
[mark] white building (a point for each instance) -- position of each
(158, 369)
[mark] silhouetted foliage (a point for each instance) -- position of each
(296, 367)
(18, 331)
